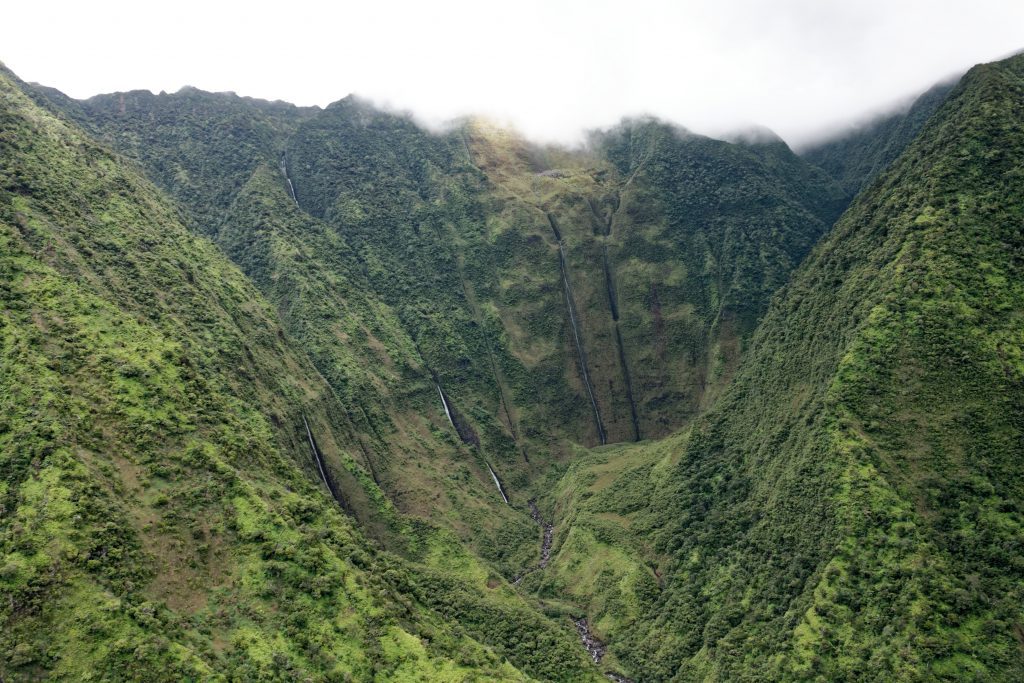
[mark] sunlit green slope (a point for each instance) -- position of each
(162, 515)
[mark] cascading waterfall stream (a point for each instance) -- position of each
(444, 402)
(316, 455)
(613, 304)
(579, 345)
(284, 172)
(323, 470)
(581, 352)
(596, 649)
(497, 483)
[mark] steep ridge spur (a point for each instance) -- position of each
(862, 478)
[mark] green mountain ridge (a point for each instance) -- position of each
(338, 398)
(158, 481)
(552, 297)
(857, 156)
(850, 508)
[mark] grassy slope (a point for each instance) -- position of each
(156, 481)
(852, 506)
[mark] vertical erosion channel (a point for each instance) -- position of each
(497, 482)
(577, 337)
(320, 466)
(613, 306)
(288, 179)
(444, 402)
(468, 436)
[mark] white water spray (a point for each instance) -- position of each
(497, 483)
(284, 172)
(445, 404)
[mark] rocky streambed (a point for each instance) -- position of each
(596, 649)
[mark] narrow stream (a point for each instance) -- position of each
(549, 532)
(444, 402)
(596, 649)
(316, 456)
(580, 351)
(613, 304)
(323, 470)
(545, 543)
(284, 172)
(497, 483)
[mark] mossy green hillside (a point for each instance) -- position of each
(163, 517)
(850, 508)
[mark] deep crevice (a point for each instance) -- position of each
(325, 475)
(613, 305)
(577, 337)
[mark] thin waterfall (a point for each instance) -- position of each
(316, 456)
(579, 343)
(497, 483)
(284, 172)
(444, 402)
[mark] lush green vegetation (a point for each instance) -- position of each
(852, 506)
(162, 516)
(411, 261)
(857, 156)
(837, 489)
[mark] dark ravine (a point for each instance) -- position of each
(634, 415)
(596, 649)
(609, 282)
(549, 531)
(613, 305)
(545, 543)
(324, 476)
(577, 337)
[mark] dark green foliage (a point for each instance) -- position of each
(201, 147)
(161, 518)
(851, 507)
(856, 157)
(722, 225)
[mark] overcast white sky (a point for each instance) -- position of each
(551, 67)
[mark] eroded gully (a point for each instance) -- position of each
(284, 172)
(613, 305)
(577, 338)
(594, 647)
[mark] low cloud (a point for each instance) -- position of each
(554, 68)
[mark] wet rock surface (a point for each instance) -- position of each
(596, 649)
(549, 532)
(545, 544)
(594, 646)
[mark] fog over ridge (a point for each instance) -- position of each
(804, 69)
